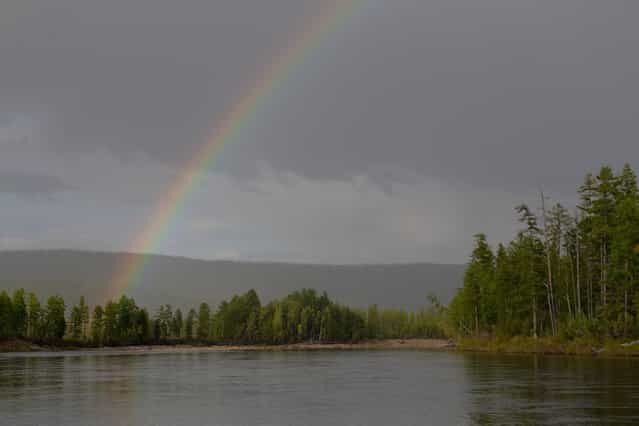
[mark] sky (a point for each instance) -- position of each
(410, 127)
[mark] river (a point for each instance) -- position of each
(380, 387)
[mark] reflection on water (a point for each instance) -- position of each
(315, 388)
(552, 390)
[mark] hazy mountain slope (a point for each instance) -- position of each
(187, 282)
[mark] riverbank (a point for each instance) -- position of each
(431, 344)
(515, 345)
(549, 346)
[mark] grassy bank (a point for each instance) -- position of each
(21, 346)
(548, 346)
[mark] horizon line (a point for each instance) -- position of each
(236, 260)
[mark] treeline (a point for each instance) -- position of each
(303, 316)
(569, 274)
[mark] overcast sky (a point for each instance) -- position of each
(412, 126)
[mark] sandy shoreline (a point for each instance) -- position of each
(542, 346)
(381, 344)
(430, 344)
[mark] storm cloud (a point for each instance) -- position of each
(410, 127)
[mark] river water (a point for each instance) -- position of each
(315, 388)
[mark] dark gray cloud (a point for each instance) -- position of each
(494, 98)
(506, 93)
(30, 184)
(137, 76)
(487, 91)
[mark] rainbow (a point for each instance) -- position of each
(131, 266)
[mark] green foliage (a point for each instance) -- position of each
(142, 326)
(164, 322)
(177, 324)
(97, 326)
(55, 322)
(189, 325)
(475, 304)
(6, 316)
(110, 332)
(302, 316)
(79, 321)
(577, 277)
(120, 323)
(35, 318)
(19, 307)
(203, 322)
(428, 322)
(580, 328)
(237, 321)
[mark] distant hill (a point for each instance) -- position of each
(187, 282)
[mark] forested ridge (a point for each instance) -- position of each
(569, 274)
(302, 316)
(72, 274)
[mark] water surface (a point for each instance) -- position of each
(315, 388)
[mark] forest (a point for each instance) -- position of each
(303, 316)
(565, 274)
